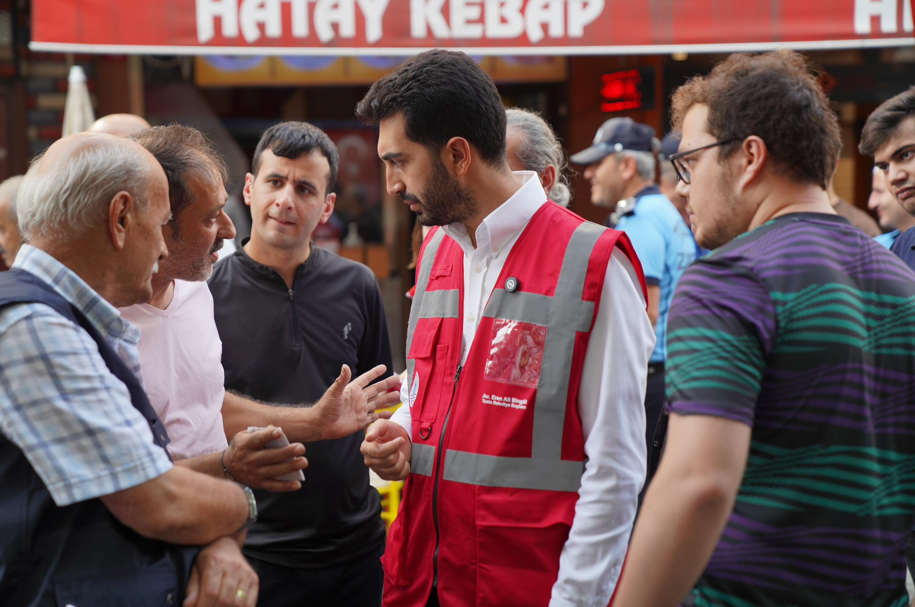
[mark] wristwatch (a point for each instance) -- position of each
(252, 506)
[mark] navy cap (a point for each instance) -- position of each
(616, 135)
(670, 145)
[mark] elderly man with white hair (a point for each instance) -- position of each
(93, 512)
(531, 145)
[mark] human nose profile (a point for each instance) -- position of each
(394, 186)
(226, 227)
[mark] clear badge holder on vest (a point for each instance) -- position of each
(515, 353)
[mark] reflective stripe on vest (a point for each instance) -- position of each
(564, 315)
(432, 304)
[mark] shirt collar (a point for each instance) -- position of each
(267, 271)
(509, 218)
(104, 316)
(648, 190)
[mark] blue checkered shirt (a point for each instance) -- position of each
(60, 404)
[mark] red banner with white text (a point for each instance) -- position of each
(485, 27)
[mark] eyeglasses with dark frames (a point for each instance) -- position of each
(680, 167)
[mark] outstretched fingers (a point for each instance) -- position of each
(369, 376)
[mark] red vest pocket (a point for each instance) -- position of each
(519, 537)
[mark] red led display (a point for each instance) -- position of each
(621, 91)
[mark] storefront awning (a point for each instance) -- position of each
(479, 27)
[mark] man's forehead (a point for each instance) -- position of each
(904, 136)
(391, 132)
(695, 126)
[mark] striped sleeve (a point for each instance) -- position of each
(722, 326)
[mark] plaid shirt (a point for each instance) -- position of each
(60, 404)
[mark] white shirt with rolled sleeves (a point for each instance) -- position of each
(610, 400)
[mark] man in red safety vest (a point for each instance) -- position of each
(521, 436)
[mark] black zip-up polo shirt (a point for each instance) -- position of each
(285, 345)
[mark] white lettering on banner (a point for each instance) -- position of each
(463, 13)
(505, 401)
(425, 15)
(208, 11)
(374, 12)
(255, 13)
(581, 13)
(253, 18)
(466, 19)
(503, 18)
(299, 18)
(887, 11)
(549, 12)
(329, 12)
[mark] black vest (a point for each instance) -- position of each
(78, 555)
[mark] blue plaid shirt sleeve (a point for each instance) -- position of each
(71, 417)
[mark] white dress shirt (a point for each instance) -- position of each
(610, 399)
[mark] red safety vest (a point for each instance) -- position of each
(498, 450)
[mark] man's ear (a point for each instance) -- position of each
(548, 178)
(246, 192)
(751, 158)
(121, 217)
(329, 202)
(457, 156)
(629, 167)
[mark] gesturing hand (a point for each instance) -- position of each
(251, 464)
(347, 407)
(221, 577)
(387, 450)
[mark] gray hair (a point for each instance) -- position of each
(644, 162)
(9, 189)
(541, 149)
(668, 171)
(73, 194)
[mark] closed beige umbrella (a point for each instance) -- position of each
(78, 114)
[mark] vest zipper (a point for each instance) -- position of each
(296, 338)
(438, 457)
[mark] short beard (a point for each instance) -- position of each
(443, 200)
(730, 221)
(184, 264)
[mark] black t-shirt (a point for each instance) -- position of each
(284, 345)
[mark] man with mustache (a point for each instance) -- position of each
(180, 348)
(92, 511)
(289, 315)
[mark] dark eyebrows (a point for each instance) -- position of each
(391, 156)
(902, 148)
(304, 182)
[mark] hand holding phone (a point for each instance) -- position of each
(277, 443)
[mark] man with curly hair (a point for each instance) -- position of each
(788, 476)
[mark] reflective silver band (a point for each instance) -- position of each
(532, 308)
(419, 296)
(564, 315)
(422, 460)
(440, 304)
(512, 472)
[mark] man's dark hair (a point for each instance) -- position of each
(185, 154)
(442, 94)
(291, 140)
(882, 125)
(775, 97)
